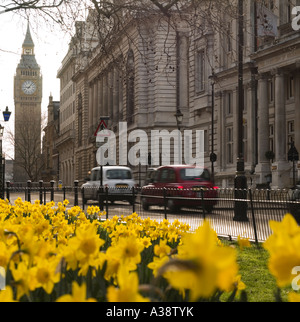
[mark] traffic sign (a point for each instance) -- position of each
(102, 128)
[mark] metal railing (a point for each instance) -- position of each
(217, 206)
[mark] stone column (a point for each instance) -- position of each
(280, 168)
(100, 107)
(105, 95)
(251, 123)
(263, 166)
(96, 106)
(221, 132)
(116, 95)
(110, 94)
(297, 112)
(91, 104)
(93, 112)
(91, 101)
(121, 114)
(182, 80)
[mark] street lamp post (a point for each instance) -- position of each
(103, 125)
(213, 156)
(1, 163)
(240, 182)
(179, 119)
(6, 116)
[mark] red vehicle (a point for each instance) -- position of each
(186, 186)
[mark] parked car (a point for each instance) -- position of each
(183, 184)
(119, 181)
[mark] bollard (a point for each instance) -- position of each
(41, 191)
(76, 192)
(202, 203)
(100, 198)
(52, 190)
(106, 204)
(29, 191)
(8, 190)
(165, 202)
(45, 195)
(82, 198)
(133, 200)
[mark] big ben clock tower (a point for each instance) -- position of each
(28, 100)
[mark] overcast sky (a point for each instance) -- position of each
(50, 48)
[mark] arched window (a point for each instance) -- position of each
(130, 72)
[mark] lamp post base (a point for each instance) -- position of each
(240, 193)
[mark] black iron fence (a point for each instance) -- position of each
(221, 207)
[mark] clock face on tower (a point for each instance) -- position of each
(28, 87)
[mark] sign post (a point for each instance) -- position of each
(101, 131)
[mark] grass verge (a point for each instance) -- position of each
(260, 284)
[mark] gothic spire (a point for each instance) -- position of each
(28, 42)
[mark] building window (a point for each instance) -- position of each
(205, 141)
(200, 71)
(229, 145)
(228, 103)
(290, 87)
(271, 91)
(291, 133)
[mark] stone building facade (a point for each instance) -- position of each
(65, 143)
(151, 71)
(271, 89)
(50, 152)
(138, 84)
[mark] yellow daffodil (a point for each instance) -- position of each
(23, 279)
(84, 247)
(243, 242)
(7, 295)
(78, 294)
(162, 249)
(128, 250)
(112, 265)
(128, 288)
(146, 241)
(46, 274)
(86, 241)
(42, 243)
(201, 265)
(283, 246)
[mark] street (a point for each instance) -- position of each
(221, 218)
